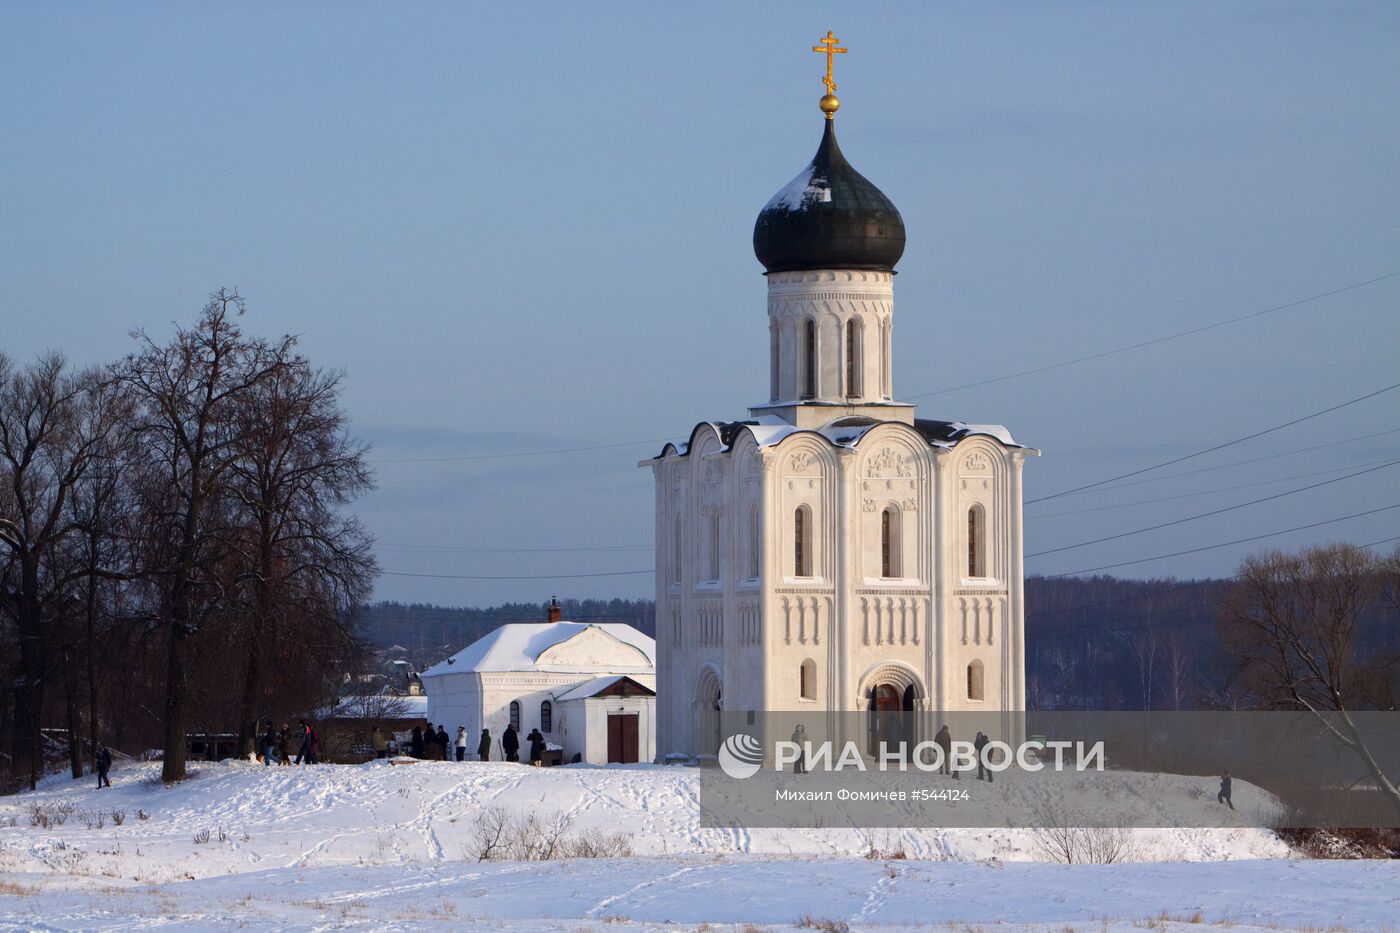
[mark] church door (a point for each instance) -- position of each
(622, 738)
(885, 706)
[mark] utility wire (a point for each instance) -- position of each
(496, 576)
(1016, 375)
(1221, 511)
(1209, 450)
(448, 549)
(1212, 547)
(1087, 625)
(1203, 492)
(528, 453)
(1311, 448)
(1156, 340)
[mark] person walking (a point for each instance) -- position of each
(270, 744)
(416, 744)
(1224, 795)
(284, 746)
(304, 748)
(483, 746)
(443, 746)
(799, 738)
(944, 741)
(461, 743)
(510, 743)
(979, 744)
(377, 742)
(536, 738)
(315, 744)
(104, 765)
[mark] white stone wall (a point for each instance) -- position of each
(721, 628)
(584, 729)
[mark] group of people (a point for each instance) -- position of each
(431, 744)
(277, 744)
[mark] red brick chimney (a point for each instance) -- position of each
(553, 609)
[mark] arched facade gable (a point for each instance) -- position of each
(981, 471)
(745, 451)
(907, 443)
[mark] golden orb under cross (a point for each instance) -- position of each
(829, 46)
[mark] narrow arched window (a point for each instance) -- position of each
(546, 716)
(976, 542)
(853, 358)
(515, 714)
(889, 543)
(676, 563)
(755, 543)
(773, 363)
(807, 680)
(809, 377)
(714, 546)
(974, 680)
(802, 542)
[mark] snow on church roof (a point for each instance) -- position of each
(768, 430)
(598, 684)
(520, 646)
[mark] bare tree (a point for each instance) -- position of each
(49, 437)
(294, 468)
(1293, 621)
(1179, 671)
(1143, 646)
(187, 392)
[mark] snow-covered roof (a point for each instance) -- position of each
(598, 684)
(768, 430)
(379, 706)
(526, 646)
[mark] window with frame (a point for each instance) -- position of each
(676, 562)
(889, 543)
(755, 543)
(515, 714)
(809, 376)
(974, 681)
(714, 545)
(802, 542)
(976, 542)
(546, 716)
(807, 680)
(853, 358)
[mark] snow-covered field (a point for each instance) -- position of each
(376, 846)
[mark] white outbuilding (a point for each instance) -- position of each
(590, 688)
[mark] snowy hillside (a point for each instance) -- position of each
(367, 845)
(381, 814)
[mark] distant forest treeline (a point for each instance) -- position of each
(1096, 643)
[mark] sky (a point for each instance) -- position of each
(519, 231)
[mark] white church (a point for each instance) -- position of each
(833, 552)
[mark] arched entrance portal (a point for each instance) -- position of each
(708, 700)
(892, 699)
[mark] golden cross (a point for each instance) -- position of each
(830, 47)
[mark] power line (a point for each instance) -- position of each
(1311, 448)
(1212, 547)
(449, 549)
(1081, 626)
(496, 576)
(1208, 450)
(1016, 375)
(1203, 492)
(529, 453)
(1220, 511)
(1156, 340)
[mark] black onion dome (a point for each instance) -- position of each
(829, 217)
